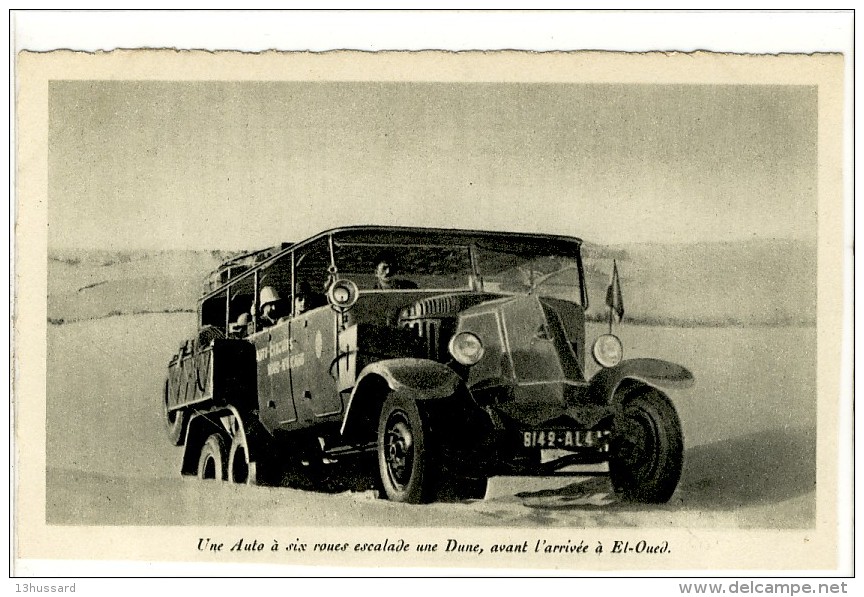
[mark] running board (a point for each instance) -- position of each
(339, 451)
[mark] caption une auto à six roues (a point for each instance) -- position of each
(420, 361)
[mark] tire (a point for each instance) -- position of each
(251, 457)
(175, 421)
(404, 452)
(240, 470)
(211, 462)
(647, 448)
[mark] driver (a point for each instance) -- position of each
(386, 272)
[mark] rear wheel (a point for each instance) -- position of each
(403, 454)
(240, 470)
(647, 448)
(251, 459)
(211, 463)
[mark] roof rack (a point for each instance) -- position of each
(238, 265)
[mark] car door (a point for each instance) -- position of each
(273, 353)
(313, 336)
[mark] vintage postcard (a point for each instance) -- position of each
(519, 311)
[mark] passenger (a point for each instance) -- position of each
(302, 294)
(240, 328)
(271, 306)
(305, 299)
(386, 272)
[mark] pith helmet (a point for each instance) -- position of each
(269, 295)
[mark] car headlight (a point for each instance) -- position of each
(342, 295)
(466, 348)
(608, 350)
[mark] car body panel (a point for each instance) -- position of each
(654, 372)
(421, 379)
(215, 372)
(313, 350)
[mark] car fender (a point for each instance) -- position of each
(200, 425)
(421, 379)
(653, 372)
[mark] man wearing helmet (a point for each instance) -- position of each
(240, 328)
(270, 306)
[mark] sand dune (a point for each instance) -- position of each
(769, 282)
(749, 424)
(750, 438)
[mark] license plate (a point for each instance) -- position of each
(595, 439)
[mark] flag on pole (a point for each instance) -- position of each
(614, 300)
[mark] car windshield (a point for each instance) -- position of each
(522, 270)
(423, 267)
(516, 267)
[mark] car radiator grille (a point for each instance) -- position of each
(434, 320)
(429, 331)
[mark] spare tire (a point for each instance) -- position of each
(175, 420)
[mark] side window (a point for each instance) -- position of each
(274, 292)
(242, 307)
(213, 311)
(311, 276)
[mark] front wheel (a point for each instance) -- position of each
(647, 449)
(403, 452)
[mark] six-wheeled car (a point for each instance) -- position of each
(442, 357)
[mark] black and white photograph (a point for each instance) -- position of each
(442, 309)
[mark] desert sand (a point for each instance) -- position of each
(749, 427)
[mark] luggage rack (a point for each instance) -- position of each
(238, 265)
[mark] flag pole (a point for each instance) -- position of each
(610, 318)
(614, 302)
(612, 293)
(609, 292)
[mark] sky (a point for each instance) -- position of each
(243, 165)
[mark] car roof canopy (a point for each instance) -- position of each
(395, 236)
(514, 242)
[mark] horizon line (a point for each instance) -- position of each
(802, 239)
